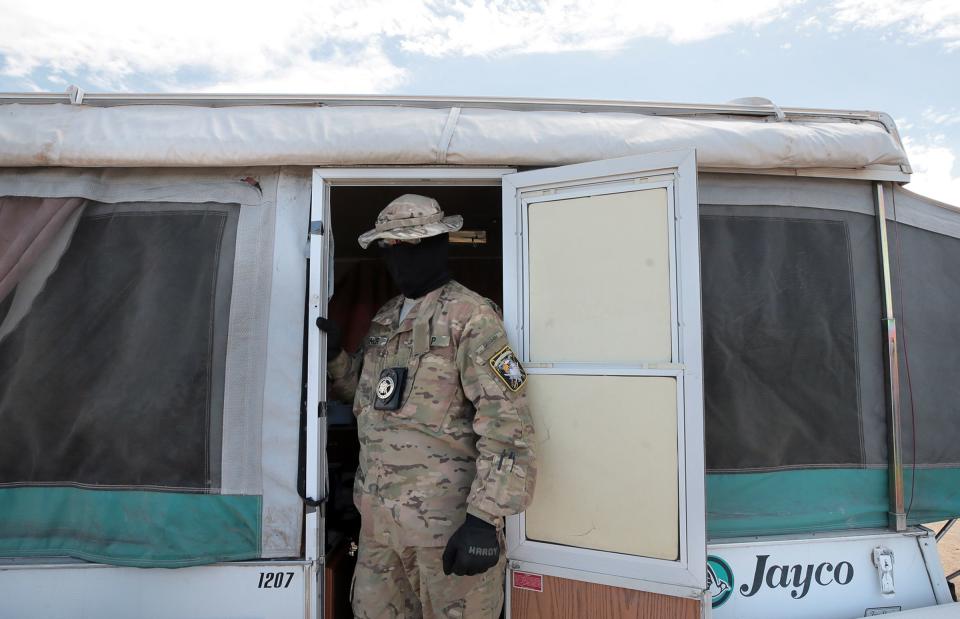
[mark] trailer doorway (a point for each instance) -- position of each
(646, 207)
(349, 285)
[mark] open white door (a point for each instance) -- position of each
(602, 301)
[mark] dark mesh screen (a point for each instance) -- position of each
(928, 316)
(109, 378)
(780, 350)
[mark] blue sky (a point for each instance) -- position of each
(897, 56)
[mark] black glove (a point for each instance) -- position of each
(473, 548)
(334, 336)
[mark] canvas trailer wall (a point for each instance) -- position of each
(703, 295)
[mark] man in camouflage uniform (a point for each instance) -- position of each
(446, 439)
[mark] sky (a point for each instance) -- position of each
(897, 56)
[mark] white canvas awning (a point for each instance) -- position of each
(55, 134)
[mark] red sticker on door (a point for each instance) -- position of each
(530, 582)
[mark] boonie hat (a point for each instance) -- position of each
(410, 217)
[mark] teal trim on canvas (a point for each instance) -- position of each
(937, 494)
(129, 527)
(779, 502)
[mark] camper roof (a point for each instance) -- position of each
(93, 130)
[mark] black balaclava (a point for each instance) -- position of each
(418, 269)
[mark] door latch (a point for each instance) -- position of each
(883, 560)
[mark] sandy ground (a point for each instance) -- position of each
(949, 548)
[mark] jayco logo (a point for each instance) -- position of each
(719, 580)
(797, 578)
(482, 552)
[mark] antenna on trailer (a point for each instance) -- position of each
(76, 94)
(761, 101)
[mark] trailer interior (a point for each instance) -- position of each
(361, 286)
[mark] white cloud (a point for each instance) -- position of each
(478, 27)
(919, 20)
(943, 119)
(328, 45)
(362, 72)
(200, 45)
(934, 165)
(903, 124)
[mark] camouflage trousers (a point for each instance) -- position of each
(408, 583)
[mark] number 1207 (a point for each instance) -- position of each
(275, 580)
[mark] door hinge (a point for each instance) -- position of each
(322, 410)
(313, 502)
(316, 228)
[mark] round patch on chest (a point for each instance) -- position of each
(385, 387)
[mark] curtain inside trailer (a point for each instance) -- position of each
(27, 227)
(132, 387)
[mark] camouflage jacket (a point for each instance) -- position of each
(462, 439)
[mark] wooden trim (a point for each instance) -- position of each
(573, 599)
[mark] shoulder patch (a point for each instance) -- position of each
(507, 367)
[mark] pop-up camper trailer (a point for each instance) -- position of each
(740, 335)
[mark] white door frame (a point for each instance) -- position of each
(320, 230)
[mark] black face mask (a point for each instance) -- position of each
(418, 269)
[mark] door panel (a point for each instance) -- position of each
(600, 278)
(607, 463)
(562, 598)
